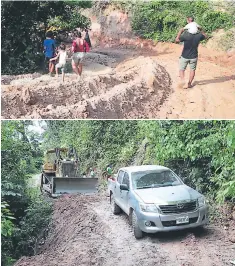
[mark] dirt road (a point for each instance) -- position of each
(127, 83)
(213, 93)
(85, 232)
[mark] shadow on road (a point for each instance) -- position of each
(215, 80)
(178, 236)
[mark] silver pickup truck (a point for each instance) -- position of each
(156, 200)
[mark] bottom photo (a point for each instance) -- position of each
(117, 192)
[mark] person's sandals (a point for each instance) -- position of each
(190, 85)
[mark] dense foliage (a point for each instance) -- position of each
(160, 20)
(202, 152)
(24, 214)
(97, 143)
(24, 24)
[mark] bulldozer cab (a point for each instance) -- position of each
(61, 173)
(61, 162)
(49, 163)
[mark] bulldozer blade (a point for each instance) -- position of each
(73, 185)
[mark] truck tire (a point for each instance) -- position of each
(138, 233)
(114, 207)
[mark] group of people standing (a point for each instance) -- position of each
(80, 46)
(55, 57)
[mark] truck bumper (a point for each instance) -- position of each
(167, 222)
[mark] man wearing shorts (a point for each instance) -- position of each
(189, 54)
(79, 48)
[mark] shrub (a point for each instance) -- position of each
(24, 27)
(33, 227)
(160, 20)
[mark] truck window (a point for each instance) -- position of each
(126, 180)
(120, 175)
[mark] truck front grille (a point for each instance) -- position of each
(173, 222)
(179, 208)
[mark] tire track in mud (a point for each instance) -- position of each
(129, 251)
(85, 232)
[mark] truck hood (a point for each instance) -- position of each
(167, 195)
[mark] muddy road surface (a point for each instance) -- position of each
(85, 232)
(115, 84)
(129, 82)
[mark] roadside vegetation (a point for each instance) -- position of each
(160, 20)
(24, 25)
(201, 152)
(24, 213)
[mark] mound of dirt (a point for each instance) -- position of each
(85, 232)
(134, 89)
(6, 79)
(74, 228)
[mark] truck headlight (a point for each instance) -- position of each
(201, 201)
(149, 208)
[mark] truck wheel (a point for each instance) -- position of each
(114, 207)
(138, 233)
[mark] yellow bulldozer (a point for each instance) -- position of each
(60, 174)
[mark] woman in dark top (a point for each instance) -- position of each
(87, 38)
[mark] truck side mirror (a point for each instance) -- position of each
(124, 187)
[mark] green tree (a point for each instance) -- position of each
(160, 20)
(24, 24)
(202, 152)
(21, 205)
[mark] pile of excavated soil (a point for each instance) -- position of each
(75, 236)
(85, 232)
(79, 236)
(127, 83)
(134, 89)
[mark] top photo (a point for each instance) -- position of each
(118, 59)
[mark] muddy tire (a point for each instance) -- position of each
(114, 207)
(138, 233)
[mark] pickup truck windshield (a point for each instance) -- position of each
(148, 179)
